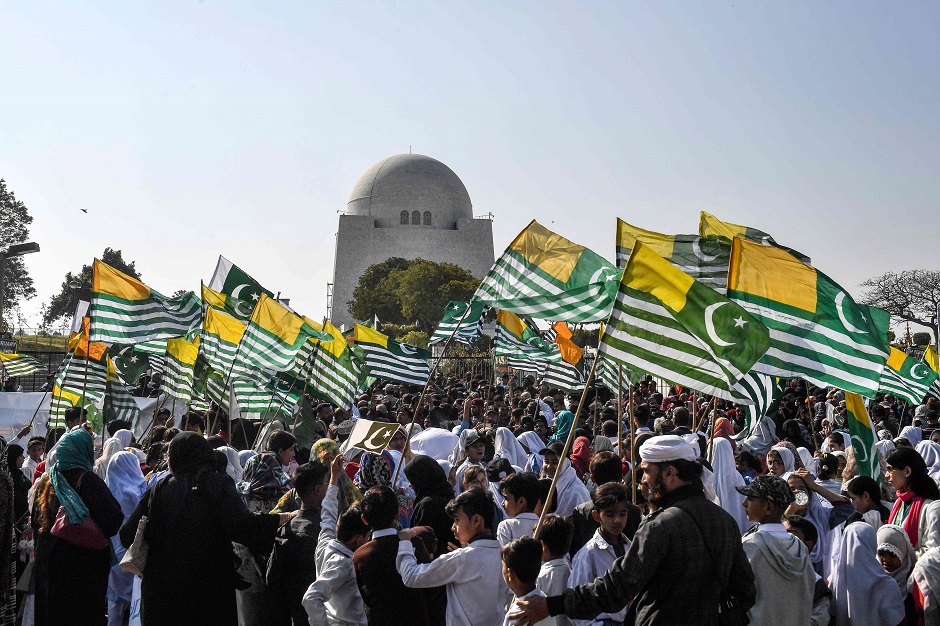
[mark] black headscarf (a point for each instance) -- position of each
(427, 478)
(190, 452)
(13, 453)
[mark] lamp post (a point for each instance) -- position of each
(18, 249)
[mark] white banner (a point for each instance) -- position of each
(16, 409)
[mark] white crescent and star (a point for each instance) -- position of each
(697, 251)
(237, 290)
(710, 324)
(406, 349)
(914, 368)
(845, 322)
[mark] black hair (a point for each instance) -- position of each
(74, 415)
(219, 461)
(193, 418)
(523, 557)
(308, 476)
(522, 485)
(865, 484)
(473, 502)
(688, 471)
(606, 467)
(748, 460)
(681, 417)
(169, 433)
(155, 453)
(919, 482)
(216, 441)
(545, 484)
(608, 495)
(379, 507)
(156, 434)
(806, 527)
(280, 440)
(350, 524)
(117, 425)
(609, 428)
(828, 465)
(836, 437)
(641, 414)
(556, 535)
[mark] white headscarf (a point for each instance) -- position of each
(926, 576)
(234, 466)
(436, 443)
(667, 448)
(862, 592)
(126, 481)
(111, 447)
(570, 491)
(244, 456)
(727, 478)
(531, 441)
(789, 463)
(895, 540)
(509, 448)
(930, 451)
(913, 434)
(124, 436)
(809, 461)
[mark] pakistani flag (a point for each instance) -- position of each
(817, 331)
(230, 280)
(128, 362)
(392, 360)
(544, 275)
(19, 365)
(518, 340)
(337, 368)
(863, 436)
(124, 310)
(709, 225)
(703, 258)
(178, 371)
(119, 404)
(470, 328)
(765, 393)
(905, 378)
(239, 309)
(669, 325)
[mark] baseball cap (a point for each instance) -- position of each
(555, 447)
(473, 436)
(498, 469)
(769, 487)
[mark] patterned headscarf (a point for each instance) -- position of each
(76, 449)
(325, 450)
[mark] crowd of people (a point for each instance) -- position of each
(668, 509)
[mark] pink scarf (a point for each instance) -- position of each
(911, 523)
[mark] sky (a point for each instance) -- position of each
(193, 129)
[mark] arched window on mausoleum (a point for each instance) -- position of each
(427, 218)
(404, 217)
(416, 218)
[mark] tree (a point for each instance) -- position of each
(77, 287)
(377, 293)
(14, 228)
(416, 338)
(911, 295)
(921, 339)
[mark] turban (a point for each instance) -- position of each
(667, 448)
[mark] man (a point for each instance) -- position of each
(641, 419)
(685, 558)
(683, 421)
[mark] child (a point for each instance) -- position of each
(520, 497)
(474, 450)
(805, 531)
(521, 558)
(606, 546)
(553, 577)
(333, 598)
(475, 595)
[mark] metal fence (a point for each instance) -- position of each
(50, 359)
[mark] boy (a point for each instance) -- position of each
(520, 563)
(606, 545)
(333, 598)
(605, 467)
(475, 595)
(803, 529)
(555, 572)
(520, 497)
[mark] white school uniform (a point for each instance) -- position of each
(333, 599)
(513, 607)
(593, 560)
(521, 525)
(476, 591)
(552, 581)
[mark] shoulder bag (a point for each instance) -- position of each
(86, 534)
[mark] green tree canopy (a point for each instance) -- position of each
(14, 228)
(77, 287)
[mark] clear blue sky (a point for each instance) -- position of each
(192, 129)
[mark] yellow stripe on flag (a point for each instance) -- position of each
(212, 297)
(511, 322)
(650, 273)
(550, 252)
(226, 327)
(338, 345)
(112, 282)
(628, 235)
(856, 406)
(896, 359)
(932, 359)
(365, 334)
(772, 273)
(72, 398)
(710, 225)
(277, 319)
(182, 350)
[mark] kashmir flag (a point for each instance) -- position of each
(19, 365)
(863, 436)
(231, 280)
(124, 310)
(765, 393)
(709, 225)
(608, 375)
(544, 275)
(906, 378)
(221, 335)
(933, 362)
(119, 404)
(180, 363)
(337, 368)
(80, 380)
(390, 359)
(273, 336)
(564, 376)
(703, 258)
(667, 324)
(519, 340)
(817, 331)
(239, 309)
(469, 328)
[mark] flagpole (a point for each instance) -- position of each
(153, 418)
(38, 406)
(564, 453)
(620, 409)
(308, 362)
(704, 417)
(711, 436)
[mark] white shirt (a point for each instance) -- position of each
(459, 474)
(333, 599)
(552, 581)
(29, 467)
(521, 525)
(476, 591)
(593, 560)
(773, 529)
(513, 607)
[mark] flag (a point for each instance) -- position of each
(526, 365)
(906, 378)
(273, 336)
(119, 404)
(124, 310)
(933, 362)
(517, 339)
(709, 225)
(703, 258)
(392, 360)
(608, 375)
(667, 324)
(564, 376)
(470, 328)
(221, 335)
(817, 331)
(20, 365)
(230, 280)
(337, 368)
(239, 309)
(863, 436)
(765, 393)
(178, 371)
(77, 377)
(544, 275)
(371, 436)
(128, 362)
(570, 352)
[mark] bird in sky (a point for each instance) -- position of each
(84, 210)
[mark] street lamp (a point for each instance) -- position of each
(17, 249)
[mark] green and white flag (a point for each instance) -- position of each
(470, 328)
(518, 340)
(564, 376)
(178, 373)
(817, 331)
(230, 280)
(906, 378)
(544, 275)
(392, 360)
(765, 393)
(711, 226)
(863, 436)
(666, 324)
(77, 377)
(337, 368)
(273, 337)
(19, 365)
(119, 404)
(129, 363)
(124, 310)
(608, 375)
(237, 308)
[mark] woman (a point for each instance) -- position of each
(896, 555)
(912, 434)
(72, 581)
(432, 493)
(862, 593)
(825, 512)
(780, 461)
(112, 446)
(930, 452)
(15, 457)
(581, 456)
(727, 478)
(127, 485)
(379, 469)
(508, 447)
(917, 509)
(194, 515)
(531, 443)
(828, 474)
(325, 450)
(724, 429)
(265, 478)
(233, 467)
